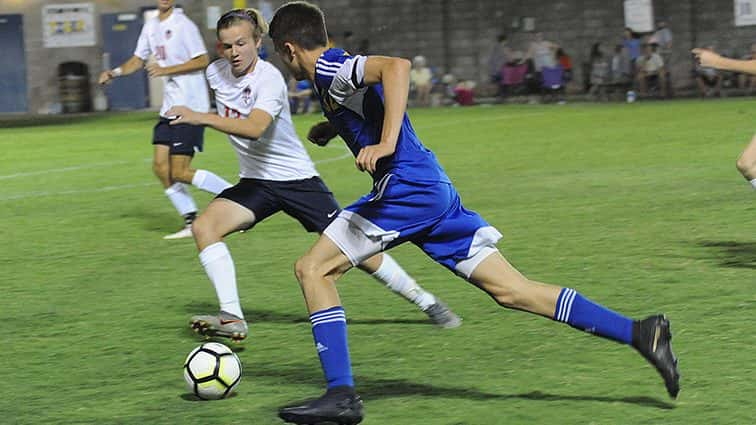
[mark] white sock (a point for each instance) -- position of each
(753, 183)
(181, 199)
(395, 278)
(219, 266)
(209, 182)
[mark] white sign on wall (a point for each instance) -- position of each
(745, 12)
(68, 25)
(639, 15)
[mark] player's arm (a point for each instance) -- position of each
(710, 59)
(251, 127)
(393, 74)
(195, 64)
(132, 65)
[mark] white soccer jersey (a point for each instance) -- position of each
(174, 41)
(278, 154)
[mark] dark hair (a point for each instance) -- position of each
(253, 16)
(301, 23)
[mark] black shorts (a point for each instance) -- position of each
(182, 139)
(309, 200)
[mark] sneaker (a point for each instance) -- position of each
(224, 324)
(186, 232)
(440, 315)
(339, 405)
(652, 338)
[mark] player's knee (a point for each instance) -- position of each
(306, 269)
(510, 295)
(161, 169)
(203, 229)
(744, 164)
(182, 175)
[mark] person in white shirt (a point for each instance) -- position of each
(180, 54)
(276, 174)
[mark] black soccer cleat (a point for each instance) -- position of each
(339, 405)
(652, 338)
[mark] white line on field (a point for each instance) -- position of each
(126, 186)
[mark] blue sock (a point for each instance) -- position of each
(330, 334)
(582, 313)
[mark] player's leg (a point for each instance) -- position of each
(188, 139)
(747, 162)
(387, 271)
(497, 277)
(239, 207)
(175, 191)
(182, 171)
(317, 272)
(311, 203)
(163, 139)
(221, 218)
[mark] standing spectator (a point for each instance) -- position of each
(632, 43)
(542, 53)
(500, 55)
(651, 71)
(421, 80)
(663, 37)
(566, 63)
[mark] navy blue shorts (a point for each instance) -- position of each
(309, 201)
(182, 139)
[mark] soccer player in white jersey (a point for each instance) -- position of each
(413, 200)
(276, 174)
(177, 45)
(746, 163)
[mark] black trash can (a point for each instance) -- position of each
(73, 80)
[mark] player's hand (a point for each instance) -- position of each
(322, 133)
(155, 70)
(368, 157)
(106, 77)
(706, 57)
(183, 115)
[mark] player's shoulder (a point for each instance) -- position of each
(216, 71)
(328, 65)
(181, 17)
(269, 72)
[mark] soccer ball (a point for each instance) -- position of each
(212, 371)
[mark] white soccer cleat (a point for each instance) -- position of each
(186, 232)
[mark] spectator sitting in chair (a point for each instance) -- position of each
(708, 78)
(599, 73)
(621, 69)
(651, 70)
(300, 93)
(421, 80)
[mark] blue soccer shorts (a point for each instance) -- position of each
(428, 214)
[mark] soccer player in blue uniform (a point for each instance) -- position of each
(412, 200)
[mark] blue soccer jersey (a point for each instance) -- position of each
(356, 110)
(412, 198)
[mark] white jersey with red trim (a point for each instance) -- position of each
(174, 41)
(278, 154)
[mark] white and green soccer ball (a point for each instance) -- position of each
(212, 371)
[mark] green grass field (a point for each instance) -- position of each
(637, 206)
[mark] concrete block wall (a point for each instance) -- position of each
(455, 35)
